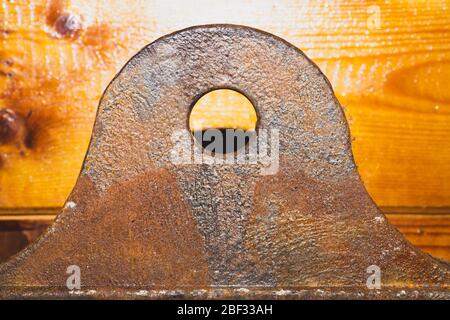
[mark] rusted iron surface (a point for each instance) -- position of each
(139, 225)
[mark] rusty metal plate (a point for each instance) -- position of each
(140, 225)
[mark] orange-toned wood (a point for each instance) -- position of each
(428, 231)
(389, 64)
(222, 109)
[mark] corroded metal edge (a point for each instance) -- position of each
(233, 293)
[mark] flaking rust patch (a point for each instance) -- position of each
(140, 230)
(314, 242)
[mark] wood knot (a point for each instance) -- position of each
(12, 126)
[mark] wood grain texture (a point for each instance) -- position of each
(223, 109)
(388, 62)
(430, 232)
(17, 234)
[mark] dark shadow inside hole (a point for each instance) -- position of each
(223, 140)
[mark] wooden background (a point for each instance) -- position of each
(389, 64)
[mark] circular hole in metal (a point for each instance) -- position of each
(223, 121)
